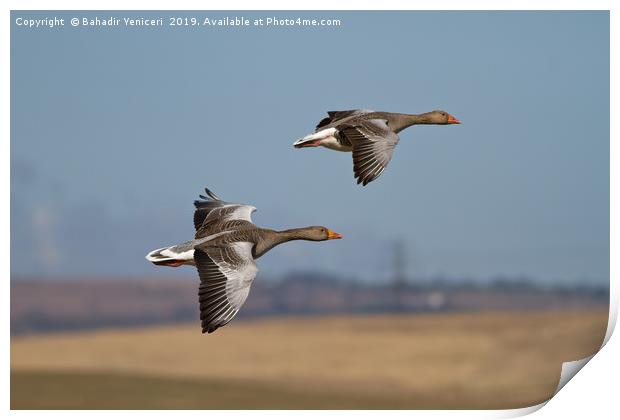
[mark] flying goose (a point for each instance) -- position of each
(224, 249)
(370, 135)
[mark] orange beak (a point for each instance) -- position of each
(333, 235)
(452, 120)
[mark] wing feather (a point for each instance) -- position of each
(209, 210)
(334, 116)
(373, 144)
(226, 274)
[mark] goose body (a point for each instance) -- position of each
(370, 136)
(224, 251)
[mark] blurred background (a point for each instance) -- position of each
(469, 271)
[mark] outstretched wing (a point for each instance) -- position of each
(373, 143)
(226, 274)
(334, 116)
(209, 210)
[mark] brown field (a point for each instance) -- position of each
(478, 360)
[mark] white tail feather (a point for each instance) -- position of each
(316, 136)
(162, 256)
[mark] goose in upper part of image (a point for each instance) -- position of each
(224, 249)
(370, 135)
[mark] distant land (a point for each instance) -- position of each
(41, 305)
(474, 360)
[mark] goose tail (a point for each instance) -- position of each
(171, 256)
(314, 139)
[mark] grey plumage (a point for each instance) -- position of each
(224, 249)
(371, 136)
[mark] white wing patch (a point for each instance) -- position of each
(231, 212)
(243, 212)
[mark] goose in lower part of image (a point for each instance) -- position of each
(371, 136)
(224, 249)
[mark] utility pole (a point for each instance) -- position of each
(399, 269)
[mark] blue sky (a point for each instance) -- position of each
(114, 131)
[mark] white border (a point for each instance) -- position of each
(592, 393)
(310, 5)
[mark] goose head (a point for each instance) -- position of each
(440, 117)
(318, 233)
